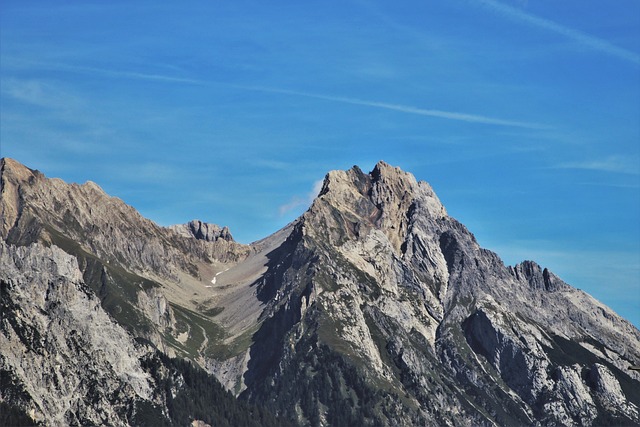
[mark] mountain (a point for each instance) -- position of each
(373, 308)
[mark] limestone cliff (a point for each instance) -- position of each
(70, 358)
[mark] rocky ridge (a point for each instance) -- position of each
(35, 208)
(374, 307)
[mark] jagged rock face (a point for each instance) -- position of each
(374, 307)
(203, 231)
(74, 364)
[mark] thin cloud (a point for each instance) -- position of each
(39, 93)
(575, 35)
(270, 164)
(143, 76)
(148, 172)
(614, 164)
(22, 63)
(299, 202)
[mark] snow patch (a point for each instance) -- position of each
(213, 281)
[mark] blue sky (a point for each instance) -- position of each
(523, 115)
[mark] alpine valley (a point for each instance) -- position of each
(373, 308)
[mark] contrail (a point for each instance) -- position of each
(450, 115)
(578, 36)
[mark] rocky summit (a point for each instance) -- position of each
(375, 307)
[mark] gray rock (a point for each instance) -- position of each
(68, 356)
(203, 231)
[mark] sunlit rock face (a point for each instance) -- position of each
(73, 363)
(373, 308)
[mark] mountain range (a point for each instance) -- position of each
(374, 307)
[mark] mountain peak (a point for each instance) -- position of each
(383, 170)
(351, 203)
(15, 171)
(90, 185)
(12, 175)
(394, 185)
(384, 185)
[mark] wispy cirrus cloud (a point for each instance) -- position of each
(299, 202)
(582, 38)
(148, 172)
(137, 75)
(616, 164)
(40, 93)
(21, 63)
(270, 164)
